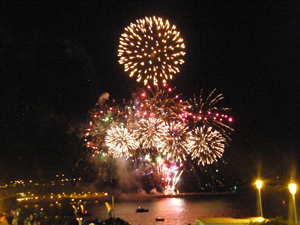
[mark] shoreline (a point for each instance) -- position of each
(126, 196)
(139, 196)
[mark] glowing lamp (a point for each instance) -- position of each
(258, 184)
(293, 188)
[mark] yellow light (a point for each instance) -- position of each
(258, 184)
(292, 188)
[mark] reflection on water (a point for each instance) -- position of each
(176, 210)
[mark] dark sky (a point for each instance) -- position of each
(58, 57)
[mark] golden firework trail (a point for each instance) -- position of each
(151, 50)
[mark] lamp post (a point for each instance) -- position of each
(259, 185)
(293, 188)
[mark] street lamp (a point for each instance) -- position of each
(293, 188)
(259, 185)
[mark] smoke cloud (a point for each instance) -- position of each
(104, 97)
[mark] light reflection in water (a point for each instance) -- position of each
(176, 205)
(181, 210)
(175, 210)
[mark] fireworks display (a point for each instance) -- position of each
(159, 127)
(174, 145)
(149, 132)
(206, 145)
(151, 50)
(156, 129)
(158, 103)
(171, 176)
(205, 111)
(120, 142)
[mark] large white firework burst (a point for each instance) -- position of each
(151, 49)
(173, 143)
(120, 142)
(148, 132)
(206, 145)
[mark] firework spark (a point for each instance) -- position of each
(159, 103)
(100, 121)
(206, 112)
(170, 176)
(151, 49)
(173, 142)
(156, 127)
(148, 132)
(206, 145)
(120, 142)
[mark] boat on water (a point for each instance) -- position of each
(139, 209)
(160, 219)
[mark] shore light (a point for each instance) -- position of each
(259, 185)
(293, 188)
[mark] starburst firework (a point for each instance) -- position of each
(173, 142)
(159, 103)
(204, 111)
(101, 119)
(206, 145)
(120, 142)
(151, 50)
(148, 132)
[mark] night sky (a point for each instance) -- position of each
(58, 57)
